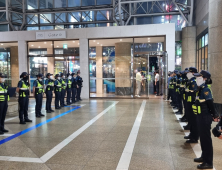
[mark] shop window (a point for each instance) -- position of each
(206, 39)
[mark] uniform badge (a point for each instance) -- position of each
(206, 93)
(193, 86)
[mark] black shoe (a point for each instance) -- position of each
(22, 122)
(191, 141)
(4, 130)
(68, 103)
(186, 127)
(58, 108)
(175, 108)
(198, 160)
(187, 137)
(184, 120)
(42, 115)
(51, 110)
(179, 113)
(64, 105)
(38, 116)
(48, 111)
(1, 133)
(28, 120)
(204, 166)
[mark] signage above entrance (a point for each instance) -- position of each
(51, 35)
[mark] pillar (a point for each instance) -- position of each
(51, 61)
(22, 57)
(84, 66)
(99, 70)
(14, 66)
(215, 48)
(123, 68)
(188, 47)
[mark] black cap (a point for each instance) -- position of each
(216, 132)
(203, 73)
(61, 74)
(186, 71)
(39, 75)
(68, 74)
(181, 72)
(186, 68)
(48, 74)
(176, 71)
(24, 74)
(193, 69)
(57, 75)
(73, 74)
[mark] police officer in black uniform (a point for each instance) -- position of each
(178, 93)
(79, 86)
(63, 91)
(204, 110)
(74, 87)
(23, 90)
(57, 90)
(69, 88)
(4, 98)
(38, 90)
(49, 87)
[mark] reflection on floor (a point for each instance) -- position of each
(110, 95)
(99, 135)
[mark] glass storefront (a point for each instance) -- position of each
(53, 57)
(114, 64)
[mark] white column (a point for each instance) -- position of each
(99, 70)
(22, 57)
(84, 66)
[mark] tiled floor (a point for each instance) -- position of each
(94, 137)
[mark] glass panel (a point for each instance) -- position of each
(45, 4)
(73, 3)
(74, 17)
(203, 58)
(110, 67)
(103, 15)
(46, 27)
(60, 3)
(40, 48)
(206, 39)
(200, 60)
(179, 22)
(203, 41)
(32, 19)
(144, 20)
(32, 4)
(46, 18)
(67, 47)
(200, 43)
(103, 2)
(2, 3)
(32, 28)
(206, 58)
(160, 19)
(4, 27)
(57, 27)
(197, 60)
(3, 17)
(178, 55)
(60, 17)
(88, 2)
(88, 16)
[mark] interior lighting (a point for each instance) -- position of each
(39, 46)
(98, 43)
(1, 44)
(73, 41)
(32, 45)
(57, 46)
(94, 40)
(45, 42)
(121, 40)
(101, 45)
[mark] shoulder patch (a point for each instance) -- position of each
(193, 85)
(206, 93)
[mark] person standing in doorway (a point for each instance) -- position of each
(157, 77)
(138, 83)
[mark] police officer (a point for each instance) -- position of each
(23, 90)
(74, 86)
(178, 93)
(79, 86)
(4, 98)
(49, 87)
(173, 92)
(57, 90)
(190, 96)
(204, 110)
(38, 90)
(69, 88)
(63, 91)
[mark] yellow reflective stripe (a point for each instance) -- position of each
(199, 109)
(189, 99)
(184, 96)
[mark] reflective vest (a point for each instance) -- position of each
(50, 85)
(63, 84)
(69, 85)
(39, 88)
(3, 93)
(24, 90)
(189, 97)
(58, 87)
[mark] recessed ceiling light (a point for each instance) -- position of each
(45, 42)
(98, 43)
(73, 41)
(1, 44)
(32, 45)
(39, 46)
(121, 40)
(94, 40)
(57, 46)
(101, 44)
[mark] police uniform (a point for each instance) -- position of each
(171, 88)
(57, 90)
(79, 83)
(74, 86)
(178, 94)
(49, 83)
(204, 110)
(192, 118)
(4, 98)
(39, 90)
(63, 90)
(173, 82)
(23, 86)
(69, 89)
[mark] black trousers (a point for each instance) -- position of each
(184, 106)
(23, 107)
(48, 100)
(204, 121)
(57, 99)
(3, 111)
(79, 93)
(157, 87)
(179, 101)
(69, 91)
(192, 121)
(73, 95)
(168, 94)
(62, 100)
(173, 96)
(38, 106)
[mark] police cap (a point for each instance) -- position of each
(68, 74)
(193, 69)
(176, 71)
(48, 74)
(73, 74)
(61, 74)
(57, 75)
(39, 75)
(203, 73)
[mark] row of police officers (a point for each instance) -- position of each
(191, 95)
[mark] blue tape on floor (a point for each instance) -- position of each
(36, 126)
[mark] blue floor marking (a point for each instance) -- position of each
(36, 126)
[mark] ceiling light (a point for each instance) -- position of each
(39, 46)
(78, 43)
(121, 40)
(1, 44)
(101, 44)
(98, 43)
(45, 42)
(73, 41)
(94, 40)
(57, 46)
(32, 45)
(148, 38)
